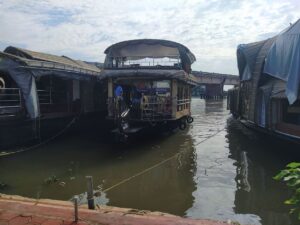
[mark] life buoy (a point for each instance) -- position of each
(190, 119)
(2, 83)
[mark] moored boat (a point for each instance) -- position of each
(149, 84)
(42, 94)
(267, 98)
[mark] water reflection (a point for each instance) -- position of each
(257, 161)
(167, 188)
(215, 175)
(223, 171)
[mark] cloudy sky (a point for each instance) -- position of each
(82, 29)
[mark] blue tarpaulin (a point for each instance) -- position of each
(283, 60)
(246, 56)
(25, 80)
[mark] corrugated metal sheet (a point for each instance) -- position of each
(35, 57)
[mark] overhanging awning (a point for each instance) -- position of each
(246, 58)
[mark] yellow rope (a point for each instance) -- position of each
(127, 179)
(2, 154)
(156, 165)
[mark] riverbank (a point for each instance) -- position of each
(16, 210)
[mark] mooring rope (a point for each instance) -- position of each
(157, 164)
(2, 154)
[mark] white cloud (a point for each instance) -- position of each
(84, 28)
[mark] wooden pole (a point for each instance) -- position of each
(76, 209)
(90, 192)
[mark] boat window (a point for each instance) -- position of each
(52, 94)
(183, 97)
(10, 95)
(137, 61)
(145, 98)
(162, 88)
(6, 81)
(291, 113)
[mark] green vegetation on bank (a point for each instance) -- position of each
(291, 176)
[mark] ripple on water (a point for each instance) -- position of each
(226, 177)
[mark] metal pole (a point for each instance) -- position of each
(50, 94)
(76, 209)
(90, 192)
(20, 98)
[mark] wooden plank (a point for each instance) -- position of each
(182, 113)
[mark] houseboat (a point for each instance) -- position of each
(42, 94)
(149, 84)
(267, 98)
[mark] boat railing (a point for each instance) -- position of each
(145, 62)
(10, 100)
(183, 104)
(148, 108)
(156, 107)
(50, 97)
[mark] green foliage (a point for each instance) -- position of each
(291, 176)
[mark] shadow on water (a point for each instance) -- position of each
(58, 171)
(258, 160)
(166, 188)
(224, 171)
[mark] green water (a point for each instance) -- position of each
(223, 171)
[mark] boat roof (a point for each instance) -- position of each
(151, 48)
(32, 57)
(150, 74)
(279, 57)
